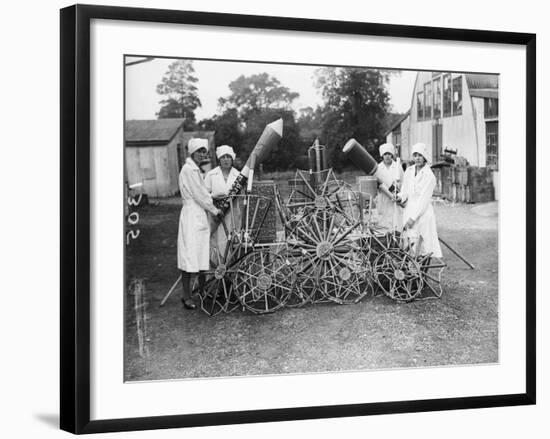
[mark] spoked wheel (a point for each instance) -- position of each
(342, 275)
(303, 286)
(431, 269)
(398, 275)
(322, 190)
(263, 281)
(376, 243)
(335, 268)
(218, 294)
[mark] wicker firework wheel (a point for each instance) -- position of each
(333, 265)
(262, 281)
(246, 216)
(302, 284)
(218, 295)
(399, 275)
(322, 190)
(431, 269)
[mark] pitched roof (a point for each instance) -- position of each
(154, 132)
(479, 81)
(397, 122)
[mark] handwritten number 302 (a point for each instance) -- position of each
(133, 218)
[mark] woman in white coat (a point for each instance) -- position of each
(194, 229)
(416, 196)
(390, 214)
(218, 181)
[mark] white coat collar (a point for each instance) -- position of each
(189, 161)
(424, 170)
(218, 170)
(392, 166)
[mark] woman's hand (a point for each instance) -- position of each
(409, 224)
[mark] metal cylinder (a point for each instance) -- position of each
(368, 185)
(317, 158)
(357, 154)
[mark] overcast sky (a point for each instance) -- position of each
(142, 100)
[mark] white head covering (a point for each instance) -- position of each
(422, 149)
(385, 148)
(195, 144)
(225, 150)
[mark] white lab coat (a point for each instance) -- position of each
(194, 229)
(390, 214)
(417, 190)
(219, 187)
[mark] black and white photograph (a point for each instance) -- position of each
(275, 219)
(289, 218)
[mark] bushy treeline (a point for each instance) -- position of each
(355, 103)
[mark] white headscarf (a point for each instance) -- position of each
(225, 150)
(194, 144)
(385, 148)
(422, 149)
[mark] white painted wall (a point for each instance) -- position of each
(460, 132)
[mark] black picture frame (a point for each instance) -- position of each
(75, 217)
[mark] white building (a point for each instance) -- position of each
(455, 111)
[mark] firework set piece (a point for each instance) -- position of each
(267, 142)
(219, 293)
(331, 251)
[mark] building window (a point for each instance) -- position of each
(428, 100)
(457, 96)
(491, 108)
(420, 105)
(447, 95)
(437, 98)
(491, 129)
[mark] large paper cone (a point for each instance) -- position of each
(360, 157)
(268, 140)
(271, 135)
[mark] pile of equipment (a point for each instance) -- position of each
(328, 249)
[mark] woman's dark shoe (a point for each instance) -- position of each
(188, 304)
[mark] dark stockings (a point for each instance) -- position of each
(186, 285)
(186, 282)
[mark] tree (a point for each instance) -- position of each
(310, 123)
(257, 92)
(254, 102)
(181, 97)
(227, 127)
(356, 101)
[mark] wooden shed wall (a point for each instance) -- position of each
(155, 166)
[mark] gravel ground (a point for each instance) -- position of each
(459, 328)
